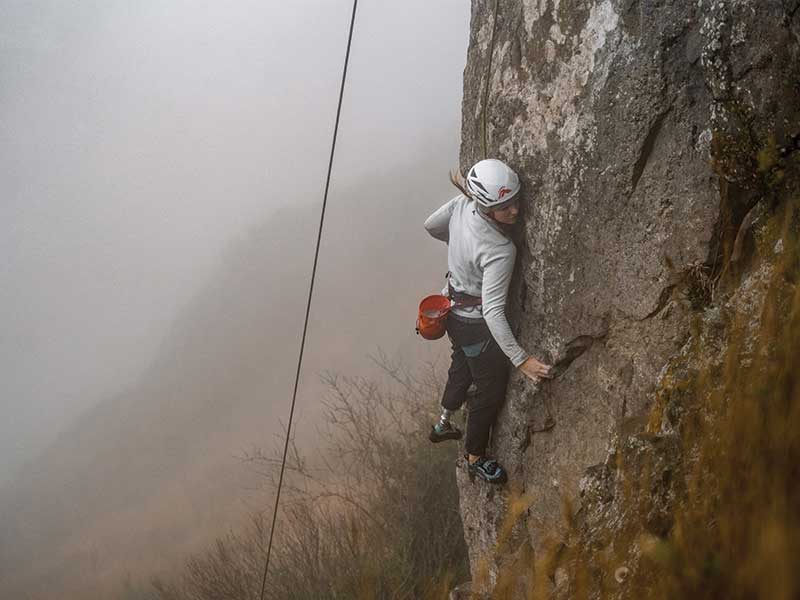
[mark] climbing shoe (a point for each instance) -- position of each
(441, 432)
(487, 469)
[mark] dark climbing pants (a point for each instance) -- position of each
(476, 359)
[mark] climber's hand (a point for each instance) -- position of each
(535, 369)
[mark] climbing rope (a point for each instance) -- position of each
(488, 79)
(308, 305)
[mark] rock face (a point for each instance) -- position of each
(633, 126)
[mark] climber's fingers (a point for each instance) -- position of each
(536, 369)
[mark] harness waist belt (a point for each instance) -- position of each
(462, 299)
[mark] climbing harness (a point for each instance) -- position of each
(308, 305)
(462, 299)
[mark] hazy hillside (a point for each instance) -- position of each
(152, 472)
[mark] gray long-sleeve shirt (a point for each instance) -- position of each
(481, 261)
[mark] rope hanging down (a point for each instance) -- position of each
(485, 107)
(308, 305)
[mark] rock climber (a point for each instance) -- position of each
(476, 226)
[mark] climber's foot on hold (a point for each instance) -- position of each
(486, 468)
(444, 431)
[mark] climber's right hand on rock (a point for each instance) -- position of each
(535, 369)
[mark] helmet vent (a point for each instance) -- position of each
(480, 185)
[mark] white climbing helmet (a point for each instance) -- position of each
(492, 183)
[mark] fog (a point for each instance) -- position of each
(138, 138)
(156, 156)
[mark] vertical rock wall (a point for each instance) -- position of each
(628, 121)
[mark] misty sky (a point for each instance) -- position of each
(139, 138)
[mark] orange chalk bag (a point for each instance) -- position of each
(432, 316)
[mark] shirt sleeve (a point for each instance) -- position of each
(438, 224)
(497, 274)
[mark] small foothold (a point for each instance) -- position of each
(621, 574)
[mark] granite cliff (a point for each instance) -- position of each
(648, 135)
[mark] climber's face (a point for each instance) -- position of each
(509, 214)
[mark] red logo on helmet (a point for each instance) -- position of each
(503, 192)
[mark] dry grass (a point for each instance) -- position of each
(373, 515)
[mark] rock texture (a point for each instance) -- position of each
(654, 515)
(634, 125)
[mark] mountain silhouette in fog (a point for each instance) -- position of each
(143, 476)
(225, 360)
